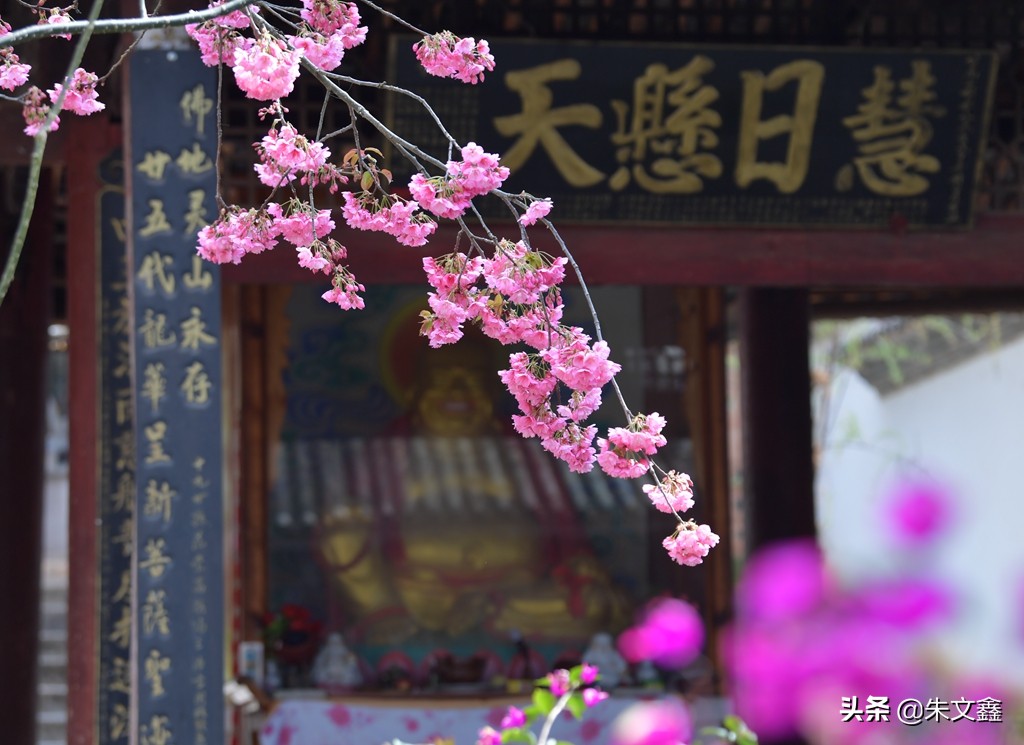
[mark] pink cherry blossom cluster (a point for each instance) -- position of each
(13, 73)
(690, 543)
(235, 233)
(218, 39)
(520, 302)
(537, 209)
(399, 218)
(450, 195)
(672, 494)
(625, 452)
(81, 96)
(238, 232)
(54, 16)
(328, 17)
(447, 56)
(286, 155)
(266, 70)
(35, 109)
(331, 29)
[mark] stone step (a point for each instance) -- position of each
(52, 717)
(52, 695)
(53, 636)
(48, 675)
(56, 733)
(53, 660)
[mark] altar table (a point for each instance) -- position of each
(374, 721)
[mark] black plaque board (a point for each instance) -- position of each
(706, 135)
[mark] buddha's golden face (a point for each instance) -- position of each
(454, 402)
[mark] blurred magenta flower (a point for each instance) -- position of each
(918, 511)
(670, 634)
(906, 603)
(782, 581)
(664, 722)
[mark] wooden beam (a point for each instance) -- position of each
(988, 255)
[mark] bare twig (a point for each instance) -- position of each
(121, 25)
(393, 17)
(38, 149)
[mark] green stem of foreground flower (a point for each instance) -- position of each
(556, 710)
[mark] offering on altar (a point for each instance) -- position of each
(336, 667)
(602, 654)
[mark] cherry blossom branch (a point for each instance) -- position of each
(403, 92)
(121, 25)
(392, 16)
(36, 159)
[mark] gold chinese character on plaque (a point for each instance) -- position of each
(123, 405)
(199, 278)
(121, 498)
(118, 225)
(154, 385)
(154, 614)
(154, 330)
(195, 218)
(155, 435)
(122, 361)
(195, 106)
(153, 164)
(124, 446)
(124, 587)
(538, 123)
(193, 331)
(123, 537)
(120, 676)
(121, 315)
(194, 161)
(121, 635)
(156, 220)
(155, 667)
(118, 722)
(197, 384)
(157, 732)
(798, 127)
(152, 271)
(891, 136)
(159, 500)
(156, 560)
(670, 131)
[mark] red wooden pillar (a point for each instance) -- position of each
(779, 472)
(24, 317)
(98, 137)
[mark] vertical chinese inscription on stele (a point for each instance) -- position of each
(177, 397)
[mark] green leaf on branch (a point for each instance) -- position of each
(718, 733)
(544, 700)
(518, 734)
(576, 705)
(366, 182)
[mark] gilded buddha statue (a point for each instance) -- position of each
(468, 528)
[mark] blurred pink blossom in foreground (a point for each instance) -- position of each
(665, 722)
(670, 634)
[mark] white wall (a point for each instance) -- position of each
(965, 427)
